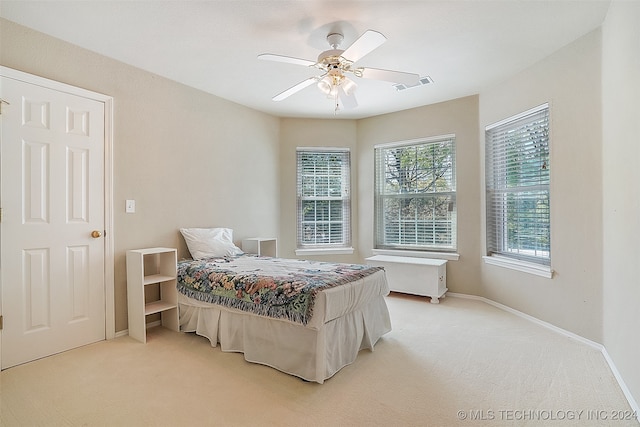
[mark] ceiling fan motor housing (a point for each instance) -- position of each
(334, 82)
(330, 56)
(331, 60)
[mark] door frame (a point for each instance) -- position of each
(108, 274)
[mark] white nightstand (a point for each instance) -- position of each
(147, 268)
(261, 246)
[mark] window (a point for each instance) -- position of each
(324, 198)
(415, 195)
(517, 186)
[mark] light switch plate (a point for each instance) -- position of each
(130, 206)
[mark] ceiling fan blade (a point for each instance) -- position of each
(365, 44)
(348, 101)
(409, 79)
(303, 84)
(287, 59)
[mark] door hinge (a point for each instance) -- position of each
(0, 322)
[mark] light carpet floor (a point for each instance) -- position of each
(458, 363)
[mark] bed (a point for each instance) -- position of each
(305, 318)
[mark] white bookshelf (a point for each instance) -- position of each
(151, 272)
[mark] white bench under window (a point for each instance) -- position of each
(416, 276)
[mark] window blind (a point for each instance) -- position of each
(517, 187)
(323, 198)
(415, 195)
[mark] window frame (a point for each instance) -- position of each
(344, 245)
(381, 244)
(504, 185)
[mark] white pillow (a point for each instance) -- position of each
(210, 242)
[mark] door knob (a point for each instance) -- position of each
(95, 234)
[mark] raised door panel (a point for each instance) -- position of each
(53, 293)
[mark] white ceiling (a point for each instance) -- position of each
(464, 46)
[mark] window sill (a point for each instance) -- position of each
(325, 251)
(523, 266)
(451, 256)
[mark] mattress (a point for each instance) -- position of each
(345, 319)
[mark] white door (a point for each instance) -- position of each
(52, 194)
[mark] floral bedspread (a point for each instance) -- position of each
(274, 287)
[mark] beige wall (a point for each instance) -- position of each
(568, 81)
(312, 133)
(172, 142)
(185, 156)
(621, 183)
(459, 117)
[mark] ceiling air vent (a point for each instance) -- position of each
(421, 82)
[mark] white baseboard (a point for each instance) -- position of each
(593, 344)
(634, 405)
(154, 324)
(125, 332)
(530, 318)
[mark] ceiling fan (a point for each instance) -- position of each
(336, 63)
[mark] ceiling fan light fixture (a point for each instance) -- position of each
(337, 63)
(349, 86)
(325, 85)
(330, 83)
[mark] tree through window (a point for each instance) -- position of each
(323, 197)
(517, 180)
(415, 195)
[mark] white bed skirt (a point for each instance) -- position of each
(331, 341)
